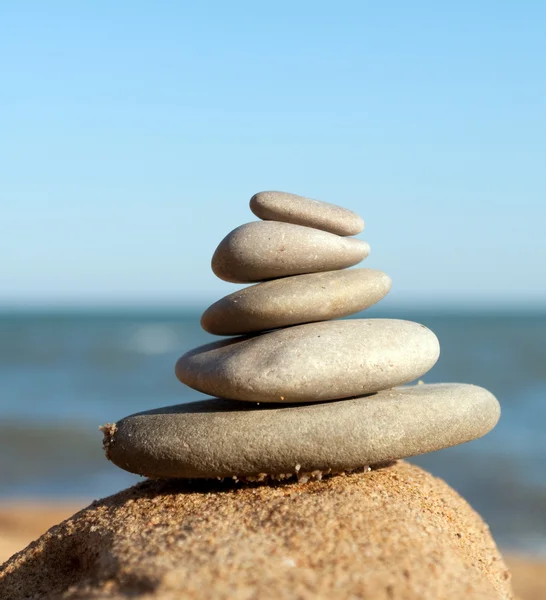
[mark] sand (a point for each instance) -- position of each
(24, 521)
(296, 541)
(529, 576)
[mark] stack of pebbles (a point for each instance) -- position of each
(301, 392)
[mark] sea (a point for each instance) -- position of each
(64, 373)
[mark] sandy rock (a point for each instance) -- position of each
(295, 300)
(290, 208)
(267, 249)
(395, 533)
(221, 438)
(312, 362)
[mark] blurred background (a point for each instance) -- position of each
(132, 135)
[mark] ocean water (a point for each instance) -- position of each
(63, 375)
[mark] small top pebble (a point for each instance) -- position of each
(290, 208)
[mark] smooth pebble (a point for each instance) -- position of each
(291, 208)
(313, 362)
(267, 249)
(294, 300)
(220, 438)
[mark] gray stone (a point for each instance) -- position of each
(267, 249)
(290, 208)
(294, 300)
(222, 438)
(312, 362)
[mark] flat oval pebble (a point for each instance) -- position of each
(295, 300)
(221, 438)
(267, 249)
(312, 362)
(290, 208)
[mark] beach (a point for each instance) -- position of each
(67, 373)
(23, 522)
(272, 323)
(64, 374)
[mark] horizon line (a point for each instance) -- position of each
(119, 308)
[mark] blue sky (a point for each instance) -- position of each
(132, 135)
